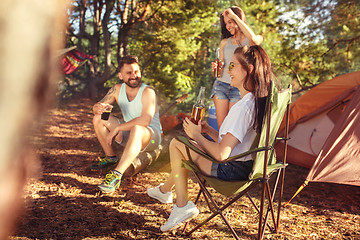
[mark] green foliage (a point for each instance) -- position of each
(182, 43)
(308, 41)
(175, 45)
(321, 40)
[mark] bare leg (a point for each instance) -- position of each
(102, 129)
(179, 175)
(169, 184)
(139, 138)
(222, 109)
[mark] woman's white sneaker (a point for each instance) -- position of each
(158, 195)
(179, 215)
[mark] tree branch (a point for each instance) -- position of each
(341, 41)
(296, 75)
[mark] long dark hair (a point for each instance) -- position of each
(224, 32)
(257, 80)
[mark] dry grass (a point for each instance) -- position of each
(63, 203)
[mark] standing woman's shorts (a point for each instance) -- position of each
(223, 90)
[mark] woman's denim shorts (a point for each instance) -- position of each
(223, 90)
(232, 171)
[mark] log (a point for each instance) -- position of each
(143, 160)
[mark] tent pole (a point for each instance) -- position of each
(297, 192)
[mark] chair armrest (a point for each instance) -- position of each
(251, 151)
(188, 144)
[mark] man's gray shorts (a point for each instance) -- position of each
(152, 145)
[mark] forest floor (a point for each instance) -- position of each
(63, 201)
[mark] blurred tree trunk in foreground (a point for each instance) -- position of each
(31, 32)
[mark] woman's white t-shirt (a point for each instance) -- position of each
(239, 122)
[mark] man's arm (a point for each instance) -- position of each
(109, 98)
(149, 105)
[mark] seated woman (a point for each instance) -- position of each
(250, 72)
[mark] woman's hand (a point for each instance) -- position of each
(257, 39)
(213, 66)
(229, 13)
(191, 129)
(204, 127)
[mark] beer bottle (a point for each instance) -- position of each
(218, 70)
(198, 110)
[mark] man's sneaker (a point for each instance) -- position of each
(104, 163)
(111, 182)
(179, 215)
(158, 195)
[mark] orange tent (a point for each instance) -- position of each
(324, 131)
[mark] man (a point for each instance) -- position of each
(141, 129)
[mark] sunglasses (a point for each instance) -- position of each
(232, 65)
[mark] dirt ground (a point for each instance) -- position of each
(63, 201)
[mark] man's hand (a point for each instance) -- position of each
(112, 135)
(99, 108)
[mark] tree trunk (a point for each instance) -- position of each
(29, 72)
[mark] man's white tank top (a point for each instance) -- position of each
(131, 110)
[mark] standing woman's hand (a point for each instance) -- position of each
(213, 66)
(257, 39)
(229, 13)
(249, 34)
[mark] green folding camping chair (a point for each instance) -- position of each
(265, 165)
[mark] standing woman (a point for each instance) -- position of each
(235, 33)
(251, 72)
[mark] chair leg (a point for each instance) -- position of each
(271, 204)
(279, 179)
(280, 198)
(214, 214)
(219, 210)
(207, 202)
(258, 210)
(262, 203)
(270, 209)
(207, 196)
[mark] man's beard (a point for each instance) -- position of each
(133, 84)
